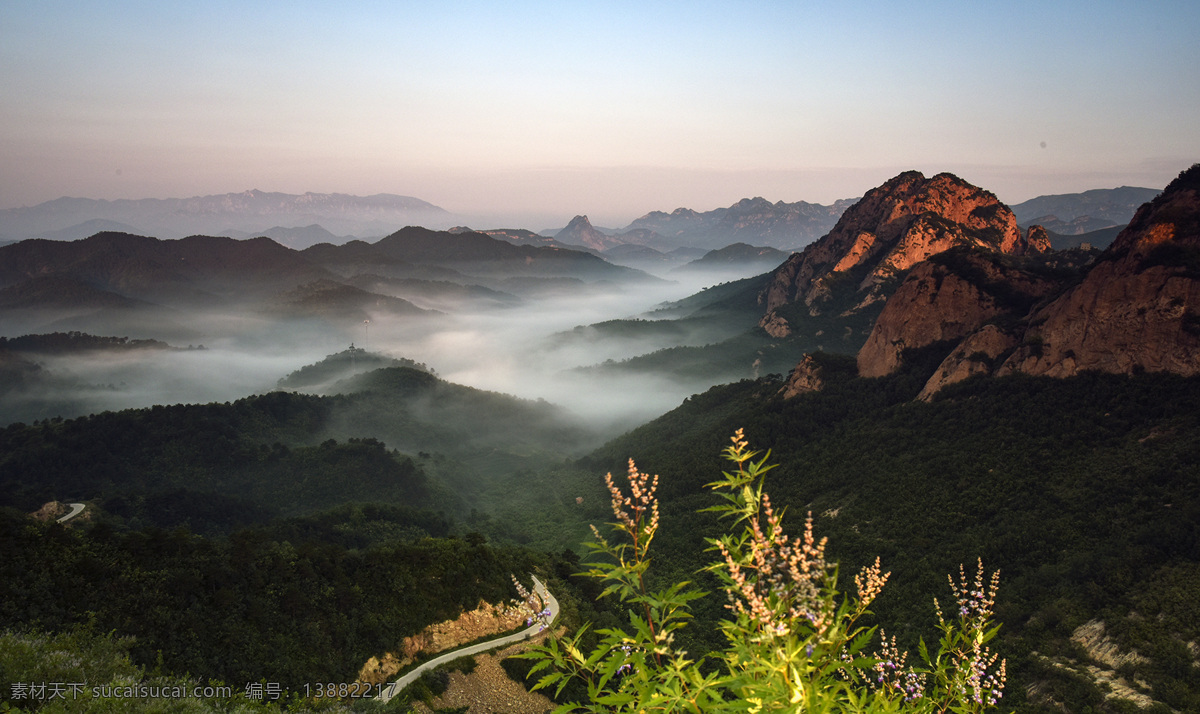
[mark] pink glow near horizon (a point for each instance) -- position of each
(539, 111)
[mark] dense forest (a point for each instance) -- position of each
(213, 521)
(252, 605)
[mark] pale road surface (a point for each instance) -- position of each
(397, 686)
(76, 509)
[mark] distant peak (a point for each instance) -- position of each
(579, 221)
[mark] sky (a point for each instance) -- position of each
(531, 113)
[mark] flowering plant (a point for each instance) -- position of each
(531, 605)
(794, 641)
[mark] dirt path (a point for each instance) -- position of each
(547, 597)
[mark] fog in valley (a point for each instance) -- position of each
(530, 349)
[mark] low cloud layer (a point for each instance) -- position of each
(529, 351)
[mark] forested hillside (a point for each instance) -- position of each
(1084, 492)
(253, 606)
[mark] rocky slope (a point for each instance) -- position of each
(1139, 306)
(485, 620)
(947, 298)
(1136, 308)
(895, 226)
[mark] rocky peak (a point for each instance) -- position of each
(1136, 308)
(895, 226)
(756, 203)
(581, 232)
(1038, 239)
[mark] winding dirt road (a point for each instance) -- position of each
(397, 686)
(76, 509)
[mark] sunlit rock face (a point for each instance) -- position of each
(947, 299)
(1138, 308)
(974, 356)
(893, 228)
(806, 377)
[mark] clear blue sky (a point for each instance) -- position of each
(539, 111)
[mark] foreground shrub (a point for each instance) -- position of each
(794, 641)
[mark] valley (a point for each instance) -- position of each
(295, 459)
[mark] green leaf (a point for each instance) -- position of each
(546, 681)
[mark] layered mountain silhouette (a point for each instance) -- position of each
(43, 282)
(1078, 213)
(756, 221)
(194, 271)
(245, 213)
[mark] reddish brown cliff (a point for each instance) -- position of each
(1139, 306)
(947, 298)
(976, 355)
(894, 227)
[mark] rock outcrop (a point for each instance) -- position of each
(51, 511)
(948, 298)
(976, 355)
(1137, 308)
(483, 621)
(808, 376)
(893, 228)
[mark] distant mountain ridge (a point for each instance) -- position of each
(1077, 213)
(297, 237)
(755, 221)
(68, 285)
(247, 212)
(302, 220)
(760, 258)
(752, 221)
